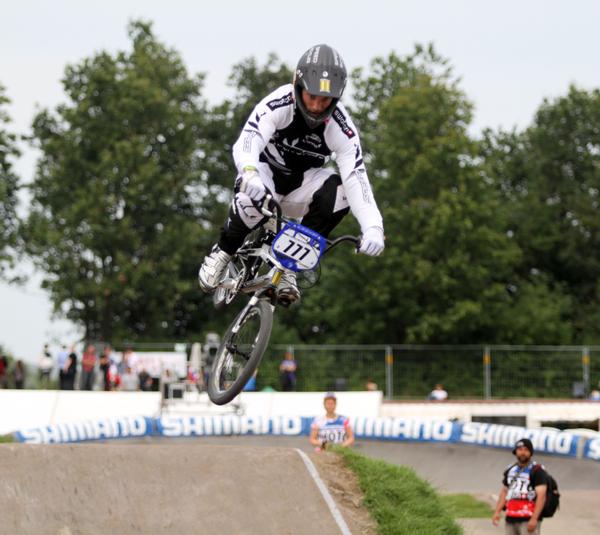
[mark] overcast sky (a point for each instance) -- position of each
(509, 55)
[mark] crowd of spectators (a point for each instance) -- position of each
(11, 376)
(80, 370)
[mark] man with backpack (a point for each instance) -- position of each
(525, 488)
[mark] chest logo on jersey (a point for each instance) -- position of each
(314, 140)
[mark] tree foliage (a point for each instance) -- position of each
(114, 222)
(549, 176)
(9, 185)
(487, 241)
(448, 273)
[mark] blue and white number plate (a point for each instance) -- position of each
(298, 248)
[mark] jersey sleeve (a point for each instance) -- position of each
(273, 112)
(342, 138)
(539, 476)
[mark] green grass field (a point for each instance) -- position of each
(465, 506)
(6, 438)
(398, 500)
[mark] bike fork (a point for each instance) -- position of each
(254, 299)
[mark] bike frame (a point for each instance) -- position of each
(292, 249)
(252, 258)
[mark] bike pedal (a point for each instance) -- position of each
(286, 300)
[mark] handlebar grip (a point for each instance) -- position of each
(264, 210)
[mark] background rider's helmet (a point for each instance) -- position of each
(321, 71)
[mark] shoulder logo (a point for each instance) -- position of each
(281, 102)
(340, 119)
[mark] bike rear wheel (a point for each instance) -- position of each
(240, 353)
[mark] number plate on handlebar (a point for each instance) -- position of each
(298, 248)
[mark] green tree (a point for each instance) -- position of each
(252, 82)
(550, 175)
(117, 211)
(448, 272)
(9, 185)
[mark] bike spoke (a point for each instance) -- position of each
(233, 349)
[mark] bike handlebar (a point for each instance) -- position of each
(276, 212)
(333, 243)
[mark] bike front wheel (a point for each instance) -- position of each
(240, 353)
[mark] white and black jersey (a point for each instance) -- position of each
(275, 134)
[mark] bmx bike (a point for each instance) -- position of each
(278, 245)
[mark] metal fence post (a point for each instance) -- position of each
(585, 362)
(389, 372)
(487, 373)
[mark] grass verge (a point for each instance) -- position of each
(398, 500)
(466, 506)
(6, 438)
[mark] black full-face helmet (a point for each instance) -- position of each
(321, 71)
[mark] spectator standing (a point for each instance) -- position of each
(18, 375)
(130, 359)
(523, 492)
(438, 393)
(331, 428)
(370, 385)
(130, 382)
(61, 361)
(3, 372)
(105, 362)
(287, 373)
(146, 381)
(45, 367)
(88, 366)
(70, 370)
(114, 376)
(167, 378)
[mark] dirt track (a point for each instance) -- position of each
(160, 488)
(244, 485)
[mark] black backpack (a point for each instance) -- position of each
(552, 495)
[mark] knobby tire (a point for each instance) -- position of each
(216, 394)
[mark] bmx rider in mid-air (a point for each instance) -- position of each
(283, 150)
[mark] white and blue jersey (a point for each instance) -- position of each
(331, 430)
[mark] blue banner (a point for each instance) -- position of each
(106, 428)
(185, 426)
(592, 449)
(544, 440)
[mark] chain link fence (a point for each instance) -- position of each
(411, 371)
(468, 371)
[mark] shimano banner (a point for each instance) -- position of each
(106, 428)
(405, 429)
(592, 449)
(230, 424)
(544, 440)
(481, 434)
